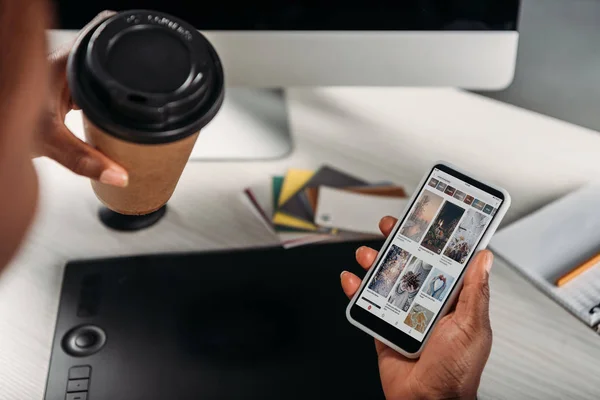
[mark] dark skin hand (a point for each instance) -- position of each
(54, 140)
(453, 359)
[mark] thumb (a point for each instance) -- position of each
(474, 301)
(81, 158)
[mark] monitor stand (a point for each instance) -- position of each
(252, 125)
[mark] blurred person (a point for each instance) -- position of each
(35, 100)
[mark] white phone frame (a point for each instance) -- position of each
(485, 239)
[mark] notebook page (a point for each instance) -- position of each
(554, 240)
(583, 293)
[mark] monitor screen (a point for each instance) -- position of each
(411, 15)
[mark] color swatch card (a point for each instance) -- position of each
(261, 200)
(298, 206)
(355, 212)
(287, 205)
(384, 190)
(294, 181)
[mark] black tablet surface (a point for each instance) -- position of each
(247, 324)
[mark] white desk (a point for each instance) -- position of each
(540, 351)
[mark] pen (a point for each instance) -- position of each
(574, 273)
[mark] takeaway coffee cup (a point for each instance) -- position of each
(147, 83)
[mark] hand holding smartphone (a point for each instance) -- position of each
(419, 271)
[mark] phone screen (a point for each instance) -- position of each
(428, 253)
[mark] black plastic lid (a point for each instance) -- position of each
(146, 77)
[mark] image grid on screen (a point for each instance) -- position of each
(428, 253)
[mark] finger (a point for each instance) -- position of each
(474, 300)
(81, 158)
(350, 283)
(366, 256)
(452, 307)
(387, 224)
(380, 347)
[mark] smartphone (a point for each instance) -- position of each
(419, 271)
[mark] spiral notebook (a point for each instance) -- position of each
(551, 243)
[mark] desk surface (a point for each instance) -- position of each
(540, 351)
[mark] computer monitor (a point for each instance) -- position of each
(470, 44)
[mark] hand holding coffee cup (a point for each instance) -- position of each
(147, 83)
(55, 140)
